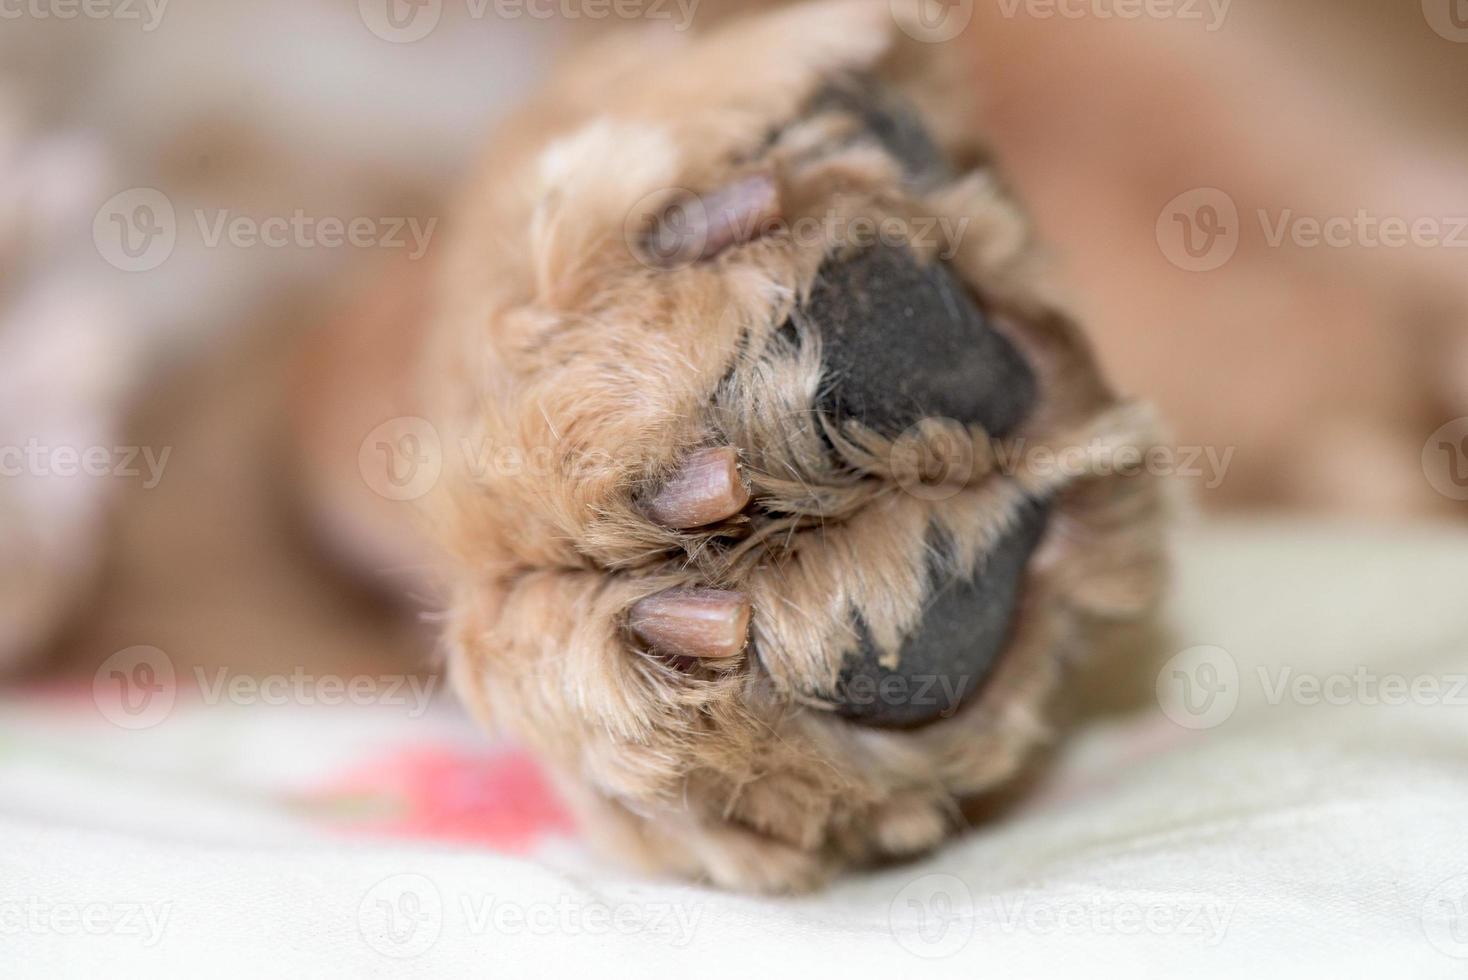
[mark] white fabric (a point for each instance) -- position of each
(1288, 840)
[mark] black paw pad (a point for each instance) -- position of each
(955, 647)
(904, 340)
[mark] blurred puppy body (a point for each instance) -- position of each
(1317, 349)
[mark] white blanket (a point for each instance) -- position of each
(1311, 819)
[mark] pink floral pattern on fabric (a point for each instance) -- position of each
(500, 799)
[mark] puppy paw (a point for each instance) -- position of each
(762, 539)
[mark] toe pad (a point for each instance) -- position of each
(904, 340)
(944, 661)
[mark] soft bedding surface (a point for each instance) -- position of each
(1295, 804)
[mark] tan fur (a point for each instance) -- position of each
(553, 342)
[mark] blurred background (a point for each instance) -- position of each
(1259, 208)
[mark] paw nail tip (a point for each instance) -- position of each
(700, 228)
(706, 489)
(702, 623)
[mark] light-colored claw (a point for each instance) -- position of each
(706, 489)
(702, 623)
(699, 228)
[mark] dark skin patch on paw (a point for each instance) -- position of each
(945, 661)
(888, 119)
(903, 340)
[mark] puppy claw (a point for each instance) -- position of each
(698, 228)
(706, 489)
(700, 623)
